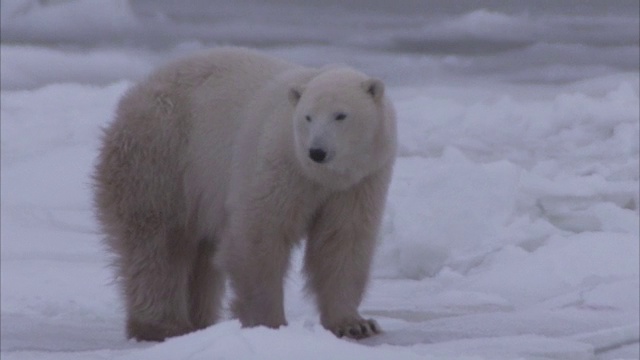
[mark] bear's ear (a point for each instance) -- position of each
(295, 93)
(374, 87)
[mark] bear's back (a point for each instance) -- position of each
(169, 149)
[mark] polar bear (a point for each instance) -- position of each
(218, 164)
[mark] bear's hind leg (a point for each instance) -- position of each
(206, 286)
(155, 278)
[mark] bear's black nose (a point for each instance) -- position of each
(317, 155)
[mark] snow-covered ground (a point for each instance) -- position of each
(512, 227)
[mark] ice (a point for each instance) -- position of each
(29, 67)
(55, 19)
(513, 220)
(513, 347)
(429, 234)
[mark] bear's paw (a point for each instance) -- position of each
(357, 329)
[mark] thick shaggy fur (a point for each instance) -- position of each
(206, 171)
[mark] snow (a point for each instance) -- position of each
(512, 227)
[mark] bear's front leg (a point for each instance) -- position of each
(338, 256)
(338, 271)
(256, 264)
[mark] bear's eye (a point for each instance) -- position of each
(308, 118)
(340, 116)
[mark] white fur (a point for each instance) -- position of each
(211, 155)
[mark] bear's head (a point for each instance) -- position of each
(344, 127)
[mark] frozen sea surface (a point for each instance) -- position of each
(512, 226)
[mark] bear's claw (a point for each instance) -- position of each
(360, 329)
